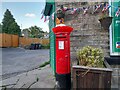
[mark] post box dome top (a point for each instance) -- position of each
(67, 29)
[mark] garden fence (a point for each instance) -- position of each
(10, 40)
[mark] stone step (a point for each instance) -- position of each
(115, 82)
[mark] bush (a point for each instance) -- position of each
(46, 46)
(89, 56)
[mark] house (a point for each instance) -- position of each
(45, 35)
(87, 28)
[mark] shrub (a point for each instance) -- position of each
(89, 56)
(46, 46)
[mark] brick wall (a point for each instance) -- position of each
(87, 30)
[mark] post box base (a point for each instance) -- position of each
(64, 81)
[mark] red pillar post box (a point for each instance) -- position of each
(63, 70)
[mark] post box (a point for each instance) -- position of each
(63, 70)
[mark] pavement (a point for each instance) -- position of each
(20, 69)
(38, 78)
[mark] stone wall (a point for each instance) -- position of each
(87, 30)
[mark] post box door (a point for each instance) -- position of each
(62, 55)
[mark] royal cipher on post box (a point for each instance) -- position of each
(63, 70)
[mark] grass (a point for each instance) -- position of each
(44, 64)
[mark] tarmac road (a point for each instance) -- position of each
(18, 60)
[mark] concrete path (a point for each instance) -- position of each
(38, 78)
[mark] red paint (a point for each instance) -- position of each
(62, 53)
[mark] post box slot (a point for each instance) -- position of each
(61, 36)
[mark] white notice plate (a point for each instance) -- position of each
(61, 44)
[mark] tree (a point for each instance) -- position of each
(15, 29)
(36, 32)
(0, 28)
(9, 24)
(33, 32)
